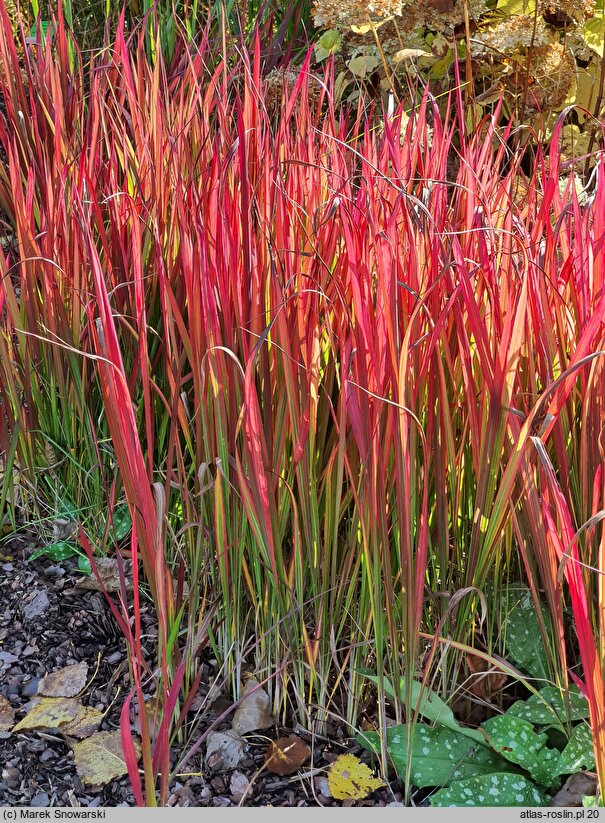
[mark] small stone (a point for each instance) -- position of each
(47, 754)
(40, 800)
(114, 658)
(239, 785)
(224, 750)
(6, 658)
(36, 607)
(322, 786)
(31, 687)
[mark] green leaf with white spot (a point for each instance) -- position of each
(516, 741)
(439, 755)
(121, 524)
(579, 752)
(430, 706)
(61, 550)
(522, 640)
(503, 789)
(551, 706)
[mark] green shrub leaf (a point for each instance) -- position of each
(516, 741)
(503, 789)
(439, 755)
(579, 752)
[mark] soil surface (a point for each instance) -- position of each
(48, 622)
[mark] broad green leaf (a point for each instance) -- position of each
(439, 755)
(521, 632)
(84, 565)
(510, 7)
(60, 550)
(503, 789)
(363, 65)
(592, 32)
(430, 706)
(330, 41)
(551, 706)
(579, 752)
(516, 741)
(121, 525)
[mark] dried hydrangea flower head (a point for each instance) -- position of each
(441, 15)
(553, 70)
(512, 35)
(280, 80)
(346, 13)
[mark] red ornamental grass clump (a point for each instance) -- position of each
(312, 352)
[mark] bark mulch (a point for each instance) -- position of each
(48, 622)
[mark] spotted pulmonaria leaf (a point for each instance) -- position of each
(439, 755)
(286, 755)
(522, 637)
(100, 758)
(49, 713)
(579, 752)
(66, 682)
(516, 741)
(550, 706)
(7, 715)
(503, 789)
(350, 779)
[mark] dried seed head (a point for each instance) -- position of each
(552, 69)
(346, 13)
(280, 80)
(512, 35)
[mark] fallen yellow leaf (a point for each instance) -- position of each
(100, 758)
(350, 779)
(49, 713)
(84, 723)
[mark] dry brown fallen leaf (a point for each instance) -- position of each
(254, 711)
(7, 715)
(286, 755)
(107, 569)
(484, 685)
(100, 758)
(66, 682)
(576, 787)
(49, 713)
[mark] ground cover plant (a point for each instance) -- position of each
(331, 382)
